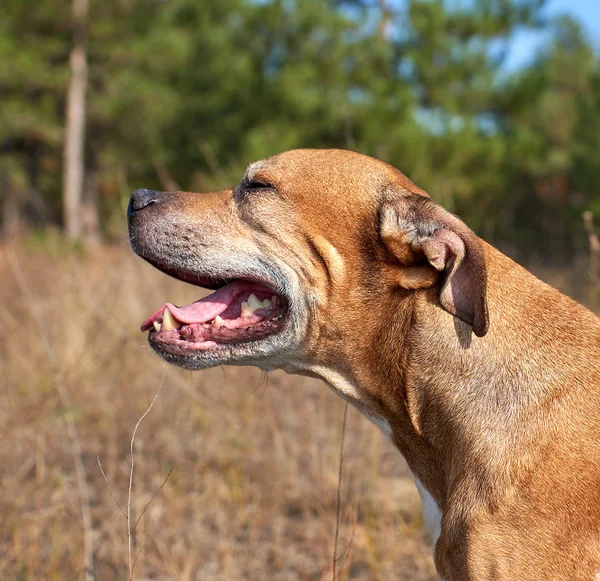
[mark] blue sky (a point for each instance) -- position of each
(586, 11)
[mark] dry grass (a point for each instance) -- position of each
(252, 494)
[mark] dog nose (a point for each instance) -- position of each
(142, 199)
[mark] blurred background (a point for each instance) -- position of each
(492, 106)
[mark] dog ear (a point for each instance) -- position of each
(432, 244)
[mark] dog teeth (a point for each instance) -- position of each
(253, 305)
(218, 321)
(169, 322)
(156, 326)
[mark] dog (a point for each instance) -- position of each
(332, 264)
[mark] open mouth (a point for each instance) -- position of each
(238, 312)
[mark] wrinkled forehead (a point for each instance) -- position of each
(333, 195)
(328, 171)
(326, 194)
(332, 177)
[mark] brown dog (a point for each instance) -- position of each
(333, 264)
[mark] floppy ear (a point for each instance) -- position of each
(420, 235)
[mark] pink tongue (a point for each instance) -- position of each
(205, 309)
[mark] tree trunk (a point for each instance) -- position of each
(74, 166)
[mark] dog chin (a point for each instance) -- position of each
(261, 353)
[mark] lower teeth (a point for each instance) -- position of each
(186, 333)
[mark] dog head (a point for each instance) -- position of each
(313, 257)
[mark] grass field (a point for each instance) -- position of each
(254, 459)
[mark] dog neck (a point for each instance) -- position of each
(463, 413)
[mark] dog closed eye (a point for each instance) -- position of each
(257, 185)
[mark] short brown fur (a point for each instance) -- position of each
(502, 429)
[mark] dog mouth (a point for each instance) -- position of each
(238, 312)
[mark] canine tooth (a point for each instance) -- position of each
(246, 309)
(218, 321)
(169, 321)
(156, 326)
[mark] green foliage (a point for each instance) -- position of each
(33, 79)
(185, 93)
